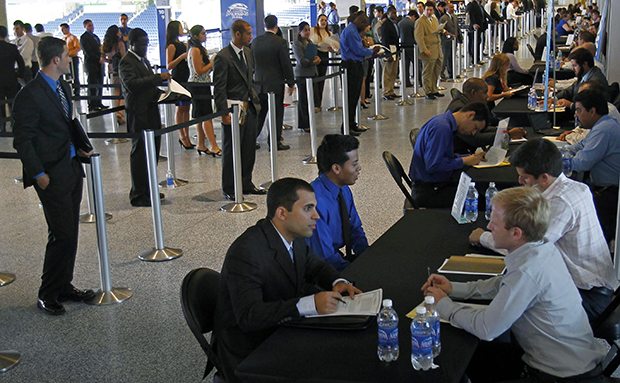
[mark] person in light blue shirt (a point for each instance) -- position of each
(599, 153)
(332, 18)
(338, 162)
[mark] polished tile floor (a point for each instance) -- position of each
(146, 339)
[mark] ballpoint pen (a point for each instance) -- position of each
(340, 300)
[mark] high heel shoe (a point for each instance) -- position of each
(364, 105)
(201, 152)
(190, 147)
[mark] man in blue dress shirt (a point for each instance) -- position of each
(338, 162)
(434, 164)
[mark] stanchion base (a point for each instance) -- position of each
(163, 159)
(334, 109)
(6, 278)
(239, 207)
(363, 127)
(403, 103)
(177, 182)
(478, 65)
(8, 359)
(90, 217)
(19, 180)
(265, 185)
(116, 141)
(441, 88)
(309, 160)
(378, 117)
(416, 95)
(469, 69)
(160, 255)
(116, 295)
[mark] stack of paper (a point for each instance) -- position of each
(473, 265)
(365, 304)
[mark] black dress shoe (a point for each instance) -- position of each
(357, 130)
(77, 295)
(229, 197)
(141, 202)
(255, 190)
(430, 97)
(257, 146)
(439, 94)
(51, 307)
(281, 146)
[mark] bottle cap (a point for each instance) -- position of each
(472, 184)
(421, 310)
(387, 303)
(505, 131)
(491, 184)
(429, 300)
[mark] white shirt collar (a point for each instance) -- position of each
(289, 246)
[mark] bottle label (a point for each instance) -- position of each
(471, 204)
(388, 336)
(436, 330)
(421, 343)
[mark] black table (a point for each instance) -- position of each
(516, 108)
(562, 74)
(396, 262)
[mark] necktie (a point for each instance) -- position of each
(346, 226)
(290, 251)
(63, 100)
(243, 66)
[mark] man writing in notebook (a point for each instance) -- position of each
(265, 272)
(536, 299)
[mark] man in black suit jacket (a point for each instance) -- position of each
(42, 129)
(265, 275)
(91, 47)
(272, 66)
(452, 32)
(9, 86)
(478, 23)
(139, 85)
(406, 29)
(389, 36)
(232, 80)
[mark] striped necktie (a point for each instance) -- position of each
(63, 100)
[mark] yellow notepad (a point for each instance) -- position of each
(473, 265)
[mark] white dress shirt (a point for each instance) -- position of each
(25, 46)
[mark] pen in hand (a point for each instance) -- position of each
(340, 300)
(428, 269)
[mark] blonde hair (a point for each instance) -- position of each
(498, 62)
(318, 30)
(525, 208)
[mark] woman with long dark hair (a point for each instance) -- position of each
(495, 77)
(319, 34)
(305, 68)
(516, 75)
(199, 68)
(176, 55)
(113, 51)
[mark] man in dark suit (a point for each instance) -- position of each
(452, 32)
(266, 273)
(272, 66)
(91, 47)
(406, 29)
(389, 37)
(9, 86)
(585, 70)
(139, 85)
(42, 129)
(232, 80)
(478, 23)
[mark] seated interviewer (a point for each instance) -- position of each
(536, 298)
(339, 168)
(264, 272)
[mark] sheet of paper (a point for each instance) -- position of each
(459, 198)
(495, 157)
(516, 140)
(441, 270)
(368, 303)
(558, 143)
(483, 256)
(499, 133)
(174, 87)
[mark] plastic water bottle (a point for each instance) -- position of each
(169, 180)
(532, 99)
(558, 61)
(491, 191)
(506, 140)
(388, 333)
(567, 167)
(421, 341)
(471, 203)
(433, 317)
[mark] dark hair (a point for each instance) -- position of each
(538, 157)
(581, 56)
(86, 22)
(353, 9)
(271, 21)
(28, 28)
(333, 151)
(38, 28)
(481, 111)
(475, 84)
(597, 86)
(135, 34)
(509, 45)
(48, 48)
(65, 25)
(194, 42)
(4, 32)
(413, 13)
(429, 3)
(283, 192)
(595, 11)
(592, 99)
(172, 32)
(123, 14)
(300, 28)
(379, 8)
(587, 37)
(18, 22)
(441, 4)
(110, 40)
(238, 26)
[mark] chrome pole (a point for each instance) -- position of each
(378, 115)
(9, 359)
(312, 120)
(416, 75)
(455, 76)
(333, 70)
(468, 67)
(112, 141)
(169, 121)
(344, 80)
(476, 49)
(358, 116)
(273, 140)
(90, 199)
(403, 81)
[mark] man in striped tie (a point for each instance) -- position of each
(42, 129)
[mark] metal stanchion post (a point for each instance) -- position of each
(506, 30)
(415, 74)
(6, 278)
(9, 359)
(358, 116)
(476, 50)
(90, 199)
(333, 70)
(490, 41)
(239, 205)
(171, 164)
(344, 80)
(107, 294)
(159, 252)
(273, 140)
(115, 130)
(378, 115)
(455, 76)
(403, 80)
(500, 37)
(313, 145)
(467, 67)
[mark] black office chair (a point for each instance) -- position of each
(455, 93)
(607, 327)
(198, 299)
(413, 136)
(399, 175)
(614, 91)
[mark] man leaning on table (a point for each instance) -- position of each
(585, 70)
(434, 166)
(573, 226)
(264, 272)
(536, 299)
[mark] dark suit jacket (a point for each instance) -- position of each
(477, 15)
(596, 75)
(230, 82)
(452, 27)
(91, 47)
(139, 86)
(42, 132)
(389, 36)
(259, 290)
(406, 27)
(9, 55)
(272, 63)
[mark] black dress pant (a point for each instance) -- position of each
(606, 203)
(355, 75)
(320, 85)
(61, 205)
(303, 116)
(95, 77)
(264, 109)
(75, 62)
(247, 133)
(446, 47)
(408, 64)
(139, 169)
(7, 92)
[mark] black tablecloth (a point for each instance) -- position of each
(396, 262)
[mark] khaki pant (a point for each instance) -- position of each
(431, 68)
(390, 70)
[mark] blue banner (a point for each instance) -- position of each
(234, 10)
(161, 34)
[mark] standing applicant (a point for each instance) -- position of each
(12, 67)
(73, 43)
(91, 46)
(176, 63)
(305, 68)
(112, 51)
(42, 129)
(319, 34)
(429, 42)
(123, 19)
(452, 32)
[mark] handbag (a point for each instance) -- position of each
(79, 138)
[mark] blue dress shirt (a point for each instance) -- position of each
(433, 158)
(327, 238)
(351, 47)
(599, 153)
